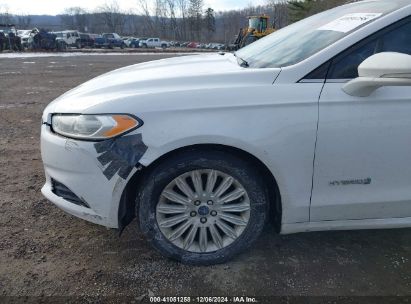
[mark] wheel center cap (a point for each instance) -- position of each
(203, 210)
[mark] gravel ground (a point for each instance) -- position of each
(45, 252)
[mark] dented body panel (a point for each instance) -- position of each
(75, 164)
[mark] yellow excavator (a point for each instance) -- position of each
(258, 27)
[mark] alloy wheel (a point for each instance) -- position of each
(203, 211)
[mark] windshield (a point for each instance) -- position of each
(253, 23)
(7, 30)
(303, 39)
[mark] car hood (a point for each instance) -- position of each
(167, 75)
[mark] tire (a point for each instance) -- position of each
(244, 174)
(250, 39)
(61, 46)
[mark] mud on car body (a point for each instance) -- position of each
(206, 149)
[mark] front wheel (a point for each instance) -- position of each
(203, 208)
(61, 46)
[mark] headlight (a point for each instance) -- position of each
(93, 127)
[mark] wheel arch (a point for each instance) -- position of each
(128, 206)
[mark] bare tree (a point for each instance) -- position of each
(5, 17)
(112, 16)
(164, 18)
(279, 13)
(148, 24)
(183, 14)
(23, 21)
(300, 9)
(75, 18)
(174, 30)
(161, 17)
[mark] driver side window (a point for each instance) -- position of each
(396, 38)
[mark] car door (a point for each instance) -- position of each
(75, 37)
(68, 39)
(363, 152)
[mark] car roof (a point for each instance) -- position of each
(65, 32)
(400, 2)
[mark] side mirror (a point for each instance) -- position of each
(380, 70)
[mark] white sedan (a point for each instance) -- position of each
(309, 128)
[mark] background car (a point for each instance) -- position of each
(133, 43)
(109, 40)
(153, 43)
(192, 45)
(27, 37)
(86, 40)
(9, 38)
(68, 38)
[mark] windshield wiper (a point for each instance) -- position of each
(243, 63)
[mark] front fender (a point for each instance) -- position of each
(155, 152)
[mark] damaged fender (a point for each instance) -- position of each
(120, 155)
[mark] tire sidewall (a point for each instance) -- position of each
(163, 174)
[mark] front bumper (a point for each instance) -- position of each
(75, 165)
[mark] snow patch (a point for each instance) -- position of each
(74, 54)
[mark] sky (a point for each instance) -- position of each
(53, 7)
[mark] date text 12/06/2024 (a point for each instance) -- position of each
(240, 299)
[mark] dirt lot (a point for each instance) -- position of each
(44, 251)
